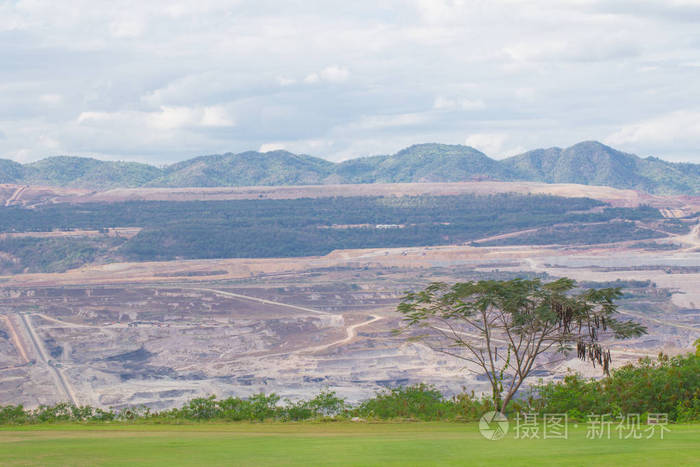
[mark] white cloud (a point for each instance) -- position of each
(472, 104)
(96, 117)
(312, 78)
(442, 103)
(495, 145)
(216, 116)
(268, 147)
(334, 74)
(379, 122)
(49, 143)
(525, 94)
(172, 79)
(680, 128)
(533, 51)
(284, 81)
(51, 99)
(488, 143)
(330, 74)
(23, 155)
(436, 11)
(585, 49)
(127, 27)
(167, 118)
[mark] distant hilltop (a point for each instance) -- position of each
(586, 163)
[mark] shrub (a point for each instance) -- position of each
(422, 402)
(12, 414)
(668, 385)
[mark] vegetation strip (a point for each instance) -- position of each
(669, 385)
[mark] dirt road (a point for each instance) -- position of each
(62, 383)
(15, 196)
(351, 332)
(262, 300)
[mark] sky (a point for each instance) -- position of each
(162, 81)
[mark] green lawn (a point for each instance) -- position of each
(340, 443)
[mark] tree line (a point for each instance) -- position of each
(310, 226)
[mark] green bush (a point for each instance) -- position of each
(325, 404)
(258, 407)
(668, 385)
(421, 402)
(12, 414)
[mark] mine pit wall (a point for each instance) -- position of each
(355, 369)
(15, 338)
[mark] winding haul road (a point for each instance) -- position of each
(15, 196)
(350, 331)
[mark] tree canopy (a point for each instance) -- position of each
(503, 328)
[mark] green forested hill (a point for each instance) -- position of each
(11, 172)
(245, 169)
(424, 163)
(83, 172)
(593, 163)
(588, 163)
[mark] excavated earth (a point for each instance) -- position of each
(161, 333)
(310, 324)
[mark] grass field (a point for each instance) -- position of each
(338, 443)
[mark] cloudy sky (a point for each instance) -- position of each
(161, 81)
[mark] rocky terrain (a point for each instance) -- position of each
(160, 333)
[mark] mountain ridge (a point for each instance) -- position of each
(593, 163)
(587, 163)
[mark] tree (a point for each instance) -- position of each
(502, 328)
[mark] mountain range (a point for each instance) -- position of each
(588, 163)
